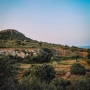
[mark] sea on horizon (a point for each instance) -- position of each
(86, 47)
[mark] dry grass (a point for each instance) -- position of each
(25, 66)
(19, 76)
(67, 62)
(64, 65)
(83, 62)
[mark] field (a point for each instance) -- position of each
(62, 68)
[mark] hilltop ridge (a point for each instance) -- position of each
(12, 34)
(12, 38)
(9, 30)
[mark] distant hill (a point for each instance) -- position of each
(11, 34)
(11, 38)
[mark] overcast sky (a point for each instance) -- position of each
(55, 21)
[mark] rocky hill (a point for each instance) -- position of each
(11, 34)
(11, 39)
(22, 52)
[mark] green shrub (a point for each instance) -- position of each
(40, 58)
(88, 61)
(7, 79)
(88, 70)
(33, 83)
(88, 55)
(60, 83)
(77, 69)
(26, 73)
(42, 72)
(87, 75)
(60, 72)
(82, 84)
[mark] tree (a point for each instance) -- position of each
(47, 50)
(40, 58)
(40, 43)
(60, 83)
(88, 55)
(77, 69)
(42, 72)
(31, 83)
(15, 59)
(76, 57)
(74, 48)
(7, 79)
(82, 84)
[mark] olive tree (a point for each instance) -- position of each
(42, 72)
(81, 84)
(7, 79)
(78, 69)
(60, 83)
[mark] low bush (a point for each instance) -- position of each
(40, 58)
(60, 83)
(82, 84)
(88, 61)
(78, 69)
(42, 72)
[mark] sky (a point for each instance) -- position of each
(65, 22)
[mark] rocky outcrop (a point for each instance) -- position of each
(19, 52)
(24, 52)
(61, 52)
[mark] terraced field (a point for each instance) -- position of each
(62, 68)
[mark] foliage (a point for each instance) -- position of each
(59, 58)
(77, 69)
(60, 72)
(81, 84)
(40, 43)
(47, 50)
(88, 75)
(40, 58)
(12, 38)
(11, 34)
(31, 83)
(74, 48)
(42, 72)
(66, 47)
(7, 79)
(88, 54)
(60, 83)
(87, 69)
(15, 59)
(26, 73)
(88, 61)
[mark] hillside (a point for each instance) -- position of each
(14, 38)
(11, 34)
(11, 38)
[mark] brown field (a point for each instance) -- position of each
(64, 65)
